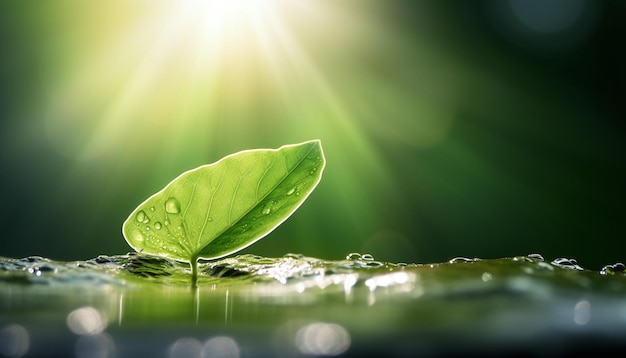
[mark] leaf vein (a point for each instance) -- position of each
(256, 195)
(287, 173)
(184, 214)
(232, 201)
(208, 212)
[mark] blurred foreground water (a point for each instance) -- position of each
(250, 306)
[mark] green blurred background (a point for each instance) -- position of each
(480, 129)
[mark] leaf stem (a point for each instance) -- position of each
(194, 271)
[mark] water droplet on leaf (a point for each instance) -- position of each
(567, 263)
(457, 260)
(141, 216)
(607, 270)
(353, 256)
(268, 207)
(157, 225)
(172, 205)
(291, 191)
(612, 269)
(367, 257)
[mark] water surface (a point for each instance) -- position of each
(248, 306)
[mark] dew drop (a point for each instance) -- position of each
(147, 228)
(536, 257)
(172, 205)
(141, 216)
(607, 270)
(291, 191)
(209, 219)
(612, 269)
(567, 263)
(367, 257)
(268, 207)
(457, 260)
(152, 208)
(35, 271)
(353, 256)
(166, 222)
(157, 225)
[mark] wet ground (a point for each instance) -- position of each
(247, 306)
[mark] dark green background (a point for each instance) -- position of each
(450, 129)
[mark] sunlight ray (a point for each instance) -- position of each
(201, 78)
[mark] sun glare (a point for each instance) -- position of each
(194, 80)
(174, 66)
(221, 8)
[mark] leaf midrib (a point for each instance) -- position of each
(197, 251)
(208, 212)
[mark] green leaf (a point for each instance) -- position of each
(220, 208)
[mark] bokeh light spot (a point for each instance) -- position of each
(95, 346)
(14, 341)
(582, 313)
(86, 321)
(185, 347)
(221, 347)
(550, 26)
(548, 16)
(324, 339)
